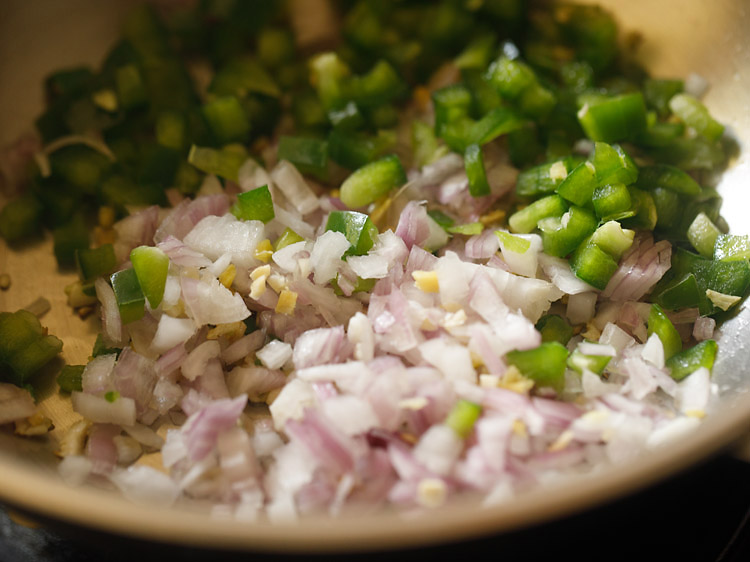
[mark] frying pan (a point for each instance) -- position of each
(679, 37)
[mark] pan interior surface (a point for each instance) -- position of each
(679, 37)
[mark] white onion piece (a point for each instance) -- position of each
(197, 360)
(180, 254)
(187, 214)
(172, 332)
(290, 182)
(274, 354)
(112, 327)
(326, 254)
(704, 327)
(291, 402)
(350, 414)
(653, 351)
(581, 307)
(214, 236)
(438, 449)
(97, 409)
(694, 392)
(371, 266)
(203, 427)
(145, 485)
(97, 375)
(287, 257)
(252, 175)
(210, 302)
(16, 403)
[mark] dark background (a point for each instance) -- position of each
(701, 515)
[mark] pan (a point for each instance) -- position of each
(679, 37)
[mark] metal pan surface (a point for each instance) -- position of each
(679, 37)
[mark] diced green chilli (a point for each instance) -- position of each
(611, 200)
(613, 239)
(690, 360)
(372, 181)
(661, 325)
(594, 363)
(702, 234)
(20, 218)
(95, 262)
(731, 247)
(695, 115)
(612, 119)
(592, 264)
(287, 237)
(560, 236)
(309, 155)
(24, 347)
(542, 179)
(525, 220)
(545, 365)
(668, 177)
(130, 299)
(71, 378)
(225, 162)
(513, 243)
(613, 165)
(255, 204)
(227, 119)
(357, 227)
(554, 327)
(579, 185)
(462, 417)
(151, 266)
(474, 164)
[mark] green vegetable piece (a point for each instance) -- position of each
(358, 229)
(80, 166)
(275, 46)
(579, 185)
(151, 266)
(100, 348)
(690, 360)
(594, 363)
(554, 327)
(525, 220)
(612, 119)
(469, 229)
(354, 150)
(20, 218)
(669, 208)
(702, 234)
(255, 204)
(513, 243)
(372, 181)
(592, 264)
(95, 262)
(287, 237)
(545, 365)
(69, 238)
(130, 299)
(477, 54)
(451, 104)
(611, 201)
(227, 119)
(441, 218)
(111, 396)
(562, 235)
(424, 143)
(379, 85)
(681, 293)
(309, 155)
(225, 162)
(613, 165)
(542, 179)
(131, 91)
(695, 115)
(661, 325)
(71, 378)
(644, 210)
(27, 361)
(171, 129)
(474, 164)
(462, 417)
(731, 247)
(24, 347)
(657, 93)
(613, 239)
(242, 76)
(668, 177)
